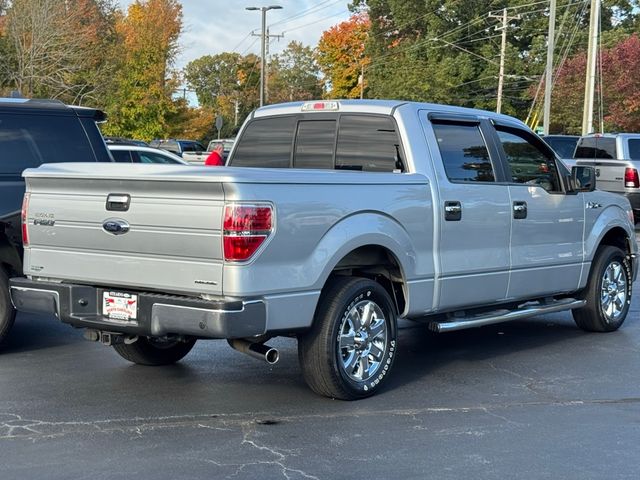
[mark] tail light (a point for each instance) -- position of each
(25, 231)
(245, 229)
(631, 179)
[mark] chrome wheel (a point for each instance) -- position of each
(613, 294)
(362, 340)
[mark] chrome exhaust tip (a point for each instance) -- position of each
(255, 350)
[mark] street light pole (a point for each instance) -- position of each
(263, 45)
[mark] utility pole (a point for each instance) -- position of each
(505, 20)
(263, 36)
(237, 111)
(266, 74)
(590, 81)
(548, 83)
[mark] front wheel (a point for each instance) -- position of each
(349, 350)
(7, 312)
(608, 292)
(153, 351)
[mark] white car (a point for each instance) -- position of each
(136, 154)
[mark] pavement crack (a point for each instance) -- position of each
(249, 429)
(14, 426)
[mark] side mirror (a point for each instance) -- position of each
(583, 179)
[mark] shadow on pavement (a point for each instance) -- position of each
(36, 332)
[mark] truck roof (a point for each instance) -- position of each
(383, 107)
(612, 135)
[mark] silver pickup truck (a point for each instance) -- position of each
(363, 212)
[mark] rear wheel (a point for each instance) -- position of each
(349, 350)
(153, 351)
(608, 292)
(7, 312)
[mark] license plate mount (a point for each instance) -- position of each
(120, 306)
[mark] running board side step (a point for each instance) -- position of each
(499, 316)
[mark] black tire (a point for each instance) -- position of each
(154, 352)
(607, 305)
(7, 312)
(323, 350)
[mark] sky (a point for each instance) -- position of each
(216, 26)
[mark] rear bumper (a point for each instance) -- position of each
(158, 314)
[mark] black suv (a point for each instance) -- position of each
(33, 132)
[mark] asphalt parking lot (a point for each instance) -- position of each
(534, 399)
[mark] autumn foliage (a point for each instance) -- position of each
(341, 56)
(619, 90)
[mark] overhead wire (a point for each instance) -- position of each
(308, 11)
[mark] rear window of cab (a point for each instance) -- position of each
(328, 141)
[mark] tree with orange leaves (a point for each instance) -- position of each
(145, 81)
(341, 56)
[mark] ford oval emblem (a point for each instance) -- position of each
(115, 226)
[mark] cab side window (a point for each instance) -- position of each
(529, 164)
(464, 152)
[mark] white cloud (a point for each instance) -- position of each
(220, 26)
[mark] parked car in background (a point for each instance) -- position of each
(190, 150)
(124, 141)
(616, 158)
(135, 154)
(227, 145)
(563, 145)
(34, 132)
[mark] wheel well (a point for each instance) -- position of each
(379, 264)
(617, 237)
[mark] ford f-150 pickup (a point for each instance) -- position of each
(359, 213)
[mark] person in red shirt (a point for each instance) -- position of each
(215, 158)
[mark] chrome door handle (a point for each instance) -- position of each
(452, 211)
(519, 210)
(592, 205)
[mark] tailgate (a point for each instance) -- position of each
(166, 239)
(609, 173)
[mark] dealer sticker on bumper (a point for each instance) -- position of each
(120, 305)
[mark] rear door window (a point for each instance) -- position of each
(28, 141)
(121, 156)
(152, 157)
(634, 148)
(464, 152)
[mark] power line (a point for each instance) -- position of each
(315, 21)
(308, 11)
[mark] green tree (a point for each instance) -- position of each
(225, 83)
(448, 50)
(294, 75)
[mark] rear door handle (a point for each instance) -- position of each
(452, 211)
(519, 210)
